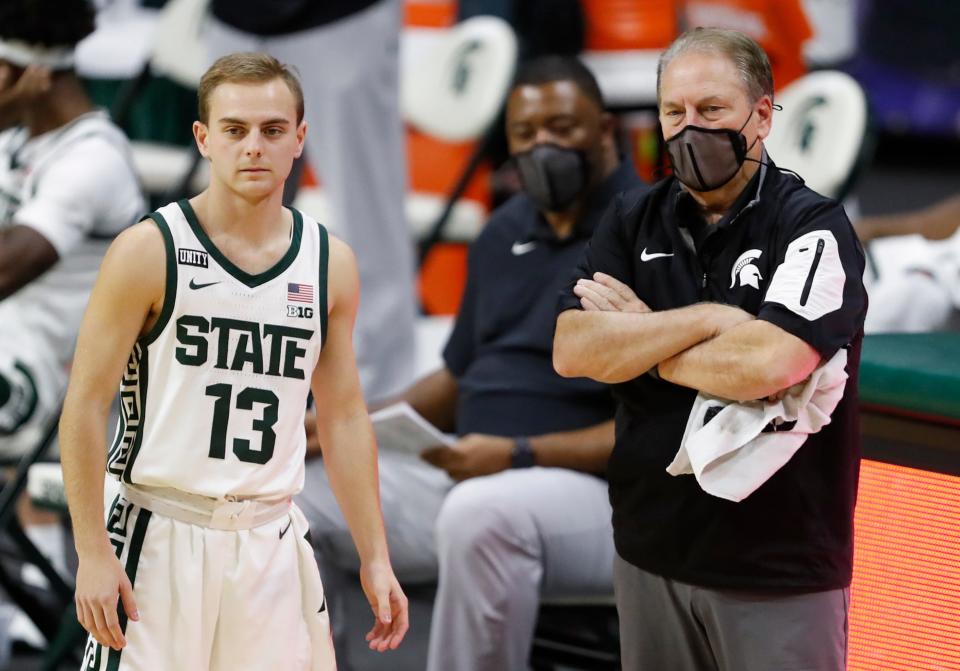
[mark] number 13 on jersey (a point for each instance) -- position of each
(247, 399)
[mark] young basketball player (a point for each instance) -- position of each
(220, 314)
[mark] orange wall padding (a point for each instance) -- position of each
(442, 278)
(615, 25)
(905, 604)
(429, 13)
(435, 166)
(780, 26)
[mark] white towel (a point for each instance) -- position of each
(725, 447)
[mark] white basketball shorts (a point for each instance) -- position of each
(217, 599)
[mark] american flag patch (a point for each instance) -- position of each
(302, 293)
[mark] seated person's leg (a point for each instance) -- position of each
(503, 540)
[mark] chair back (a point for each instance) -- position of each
(179, 51)
(822, 132)
(455, 88)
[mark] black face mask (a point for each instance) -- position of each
(553, 176)
(705, 159)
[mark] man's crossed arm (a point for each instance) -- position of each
(714, 348)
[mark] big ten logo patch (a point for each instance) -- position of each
(302, 311)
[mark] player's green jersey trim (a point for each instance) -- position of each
(133, 562)
(121, 430)
(170, 286)
(142, 368)
(322, 283)
(243, 276)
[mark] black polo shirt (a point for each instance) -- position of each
(788, 256)
(501, 348)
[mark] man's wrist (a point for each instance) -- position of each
(522, 455)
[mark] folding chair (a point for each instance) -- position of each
(454, 90)
(49, 618)
(823, 132)
(577, 633)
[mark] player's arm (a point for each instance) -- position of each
(350, 451)
(25, 254)
(71, 194)
(126, 298)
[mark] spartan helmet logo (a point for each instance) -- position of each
(744, 269)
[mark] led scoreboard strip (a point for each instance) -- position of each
(905, 603)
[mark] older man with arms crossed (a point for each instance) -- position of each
(733, 279)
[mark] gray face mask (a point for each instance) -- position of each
(553, 176)
(705, 159)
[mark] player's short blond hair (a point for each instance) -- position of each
(246, 68)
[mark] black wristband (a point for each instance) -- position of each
(522, 455)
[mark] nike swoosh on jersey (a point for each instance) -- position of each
(521, 248)
(644, 256)
(194, 285)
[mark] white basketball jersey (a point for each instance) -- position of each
(213, 398)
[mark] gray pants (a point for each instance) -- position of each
(349, 74)
(669, 625)
(499, 543)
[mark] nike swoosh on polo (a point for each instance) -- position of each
(286, 529)
(644, 256)
(194, 285)
(521, 248)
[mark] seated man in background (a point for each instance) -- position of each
(67, 187)
(530, 515)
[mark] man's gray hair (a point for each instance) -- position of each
(750, 60)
